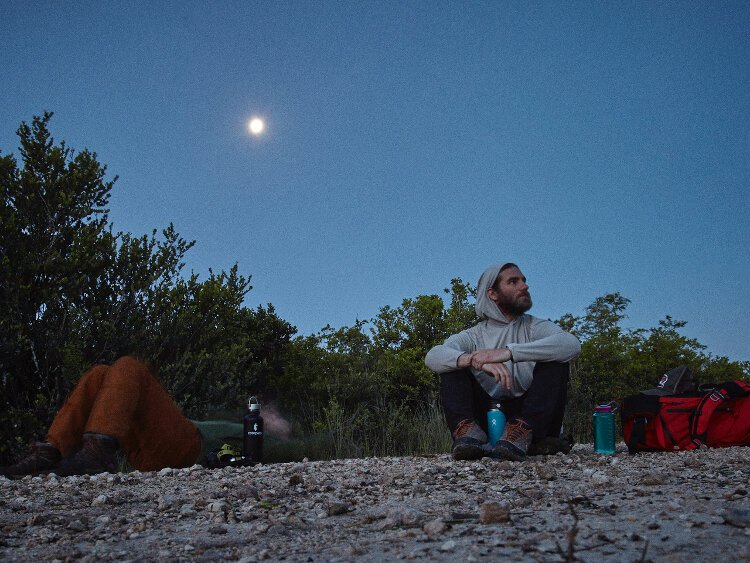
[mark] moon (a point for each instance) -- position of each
(256, 126)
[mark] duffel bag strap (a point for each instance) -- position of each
(709, 403)
(638, 410)
(637, 434)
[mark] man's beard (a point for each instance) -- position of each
(515, 307)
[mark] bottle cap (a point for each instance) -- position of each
(252, 404)
(603, 408)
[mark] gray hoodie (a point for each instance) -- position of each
(529, 338)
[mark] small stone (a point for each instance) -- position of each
(599, 480)
(216, 506)
(248, 492)
(386, 524)
(295, 479)
(522, 502)
(337, 508)
(166, 502)
(493, 513)
(434, 527)
(535, 494)
(100, 500)
(351, 551)
(739, 517)
(450, 545)
(76, 526)
(653, 478)
(218, 530)
(546, 472)
(387, 480)
(408, 517)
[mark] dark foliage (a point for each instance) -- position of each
(73, 293)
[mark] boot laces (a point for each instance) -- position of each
(463, 428)
(517, 432)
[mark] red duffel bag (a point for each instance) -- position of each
(712, 415)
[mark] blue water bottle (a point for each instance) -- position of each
(495, 423)
(604, 429)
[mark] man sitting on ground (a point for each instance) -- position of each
(511, 358)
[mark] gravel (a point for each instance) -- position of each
(679, 506)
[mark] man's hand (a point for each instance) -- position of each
(490, 361)
(500, 373)
(490, 356)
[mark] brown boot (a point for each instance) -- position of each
(468, 441)
(515, 441)
(43, 458)
(97, 455)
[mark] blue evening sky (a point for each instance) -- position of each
(603, 146)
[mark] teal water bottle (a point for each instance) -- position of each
(604, 429)
(495, 424)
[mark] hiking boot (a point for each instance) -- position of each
(43, 458)
(468, 441)
(97, 455)
(514, 442)
(551, 446)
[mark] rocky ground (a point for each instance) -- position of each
(683, 506)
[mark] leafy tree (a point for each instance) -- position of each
(352, 369)
(334, 365)
(53, 240)
(403, 336)
(603, 370)
(74, 293)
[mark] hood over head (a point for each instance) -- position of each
(485, 307)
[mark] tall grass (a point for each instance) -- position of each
(383, 429)
(379, 429)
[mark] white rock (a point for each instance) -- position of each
(450, 545)
(216, 506)
(600, 480)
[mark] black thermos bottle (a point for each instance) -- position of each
(252, 448)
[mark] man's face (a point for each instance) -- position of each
(510, 293)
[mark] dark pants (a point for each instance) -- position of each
(542, 406)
